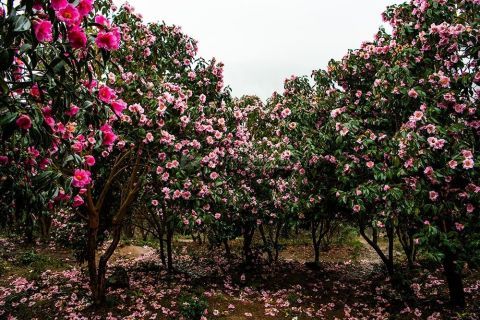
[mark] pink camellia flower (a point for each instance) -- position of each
(4, 160)
(108, 136)
(90, 160)
(77, 147)
(370, 164)
(444, 81)
(24, 122)
(106, 94)
(77, 38)
(118, 106)
(418, 115)
(108, 40)
(470, 208)
(356, 208)
(149, 137)
(69, 15)
(433, 195)
(452, 164)
(77, 201)
(72, 111)
(154, 202)
(101, 20)
(467, 154)
(81, 178)
(165, 176)
(217, 216)
(412, 93)
(468, 163)
(202, 98)
(459, 108)
(43, 30)
(59, 4)
(459, 226)
(213, 175)
(428, 171)
(177, 194)
(84, 7)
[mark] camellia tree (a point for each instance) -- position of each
(437, 71)
(407, 128)
(177, 101)
(58, 112)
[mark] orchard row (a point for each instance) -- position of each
(110, 124)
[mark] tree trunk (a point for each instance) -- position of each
(29, 228)
(388, 261)
(315, 242)
(276, 246)
(248, 232)
(227, 248)
(97, 272)
(45, 224)
(169, 249)
(454, 280)
(266, 244)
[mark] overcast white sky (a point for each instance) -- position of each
(262, 42)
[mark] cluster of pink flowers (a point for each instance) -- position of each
(107, 38)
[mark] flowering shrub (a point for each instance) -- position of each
(106, 118)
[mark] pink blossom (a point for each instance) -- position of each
(72, 111)
(90, 160)
(154, 203)
(370, 164)
(433, 195)
(109, 137)
(102, 21)
(428, 171)
(444, 81)
(149, 137)
(4, 160)
(452, 164)
(418, 115)
(77, 147)
(468, 163)
(85, 7)
(118, 106)
(59, 4)
(106, 94)
(77, 38)
(165, 176)
(43, 30)
(24, 122)
(356, 208)
(467, 154)
(217, 216)
(69, 15)
(459, 108)
(470, 208)
(81, 178)
(412, 93)
(214, 175)
(108, 40)
(77, 201)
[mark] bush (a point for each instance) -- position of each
(192, 307)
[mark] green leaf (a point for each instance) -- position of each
(21, 23)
